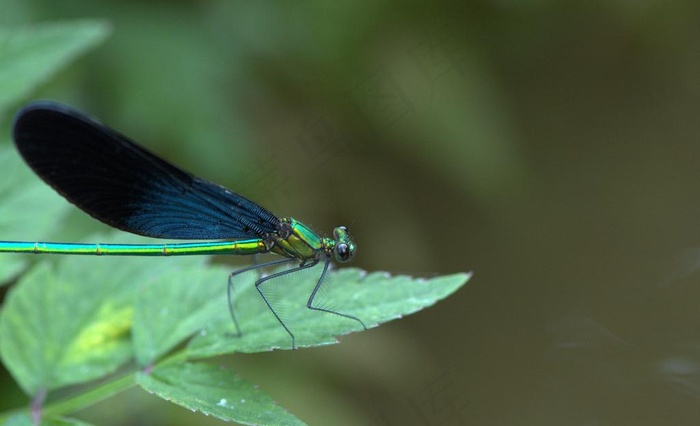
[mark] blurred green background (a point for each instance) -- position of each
(550, 147)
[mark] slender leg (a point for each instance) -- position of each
(261, 281)
(240, 271)
(309, 304)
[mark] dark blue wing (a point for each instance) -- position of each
(123, 185)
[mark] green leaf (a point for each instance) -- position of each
(26, 420)
(63, 421)
(184, 300)
(70, 323)
(216, 392)
(30, 55)
(374, 298)
(19, 420)
(29, 209)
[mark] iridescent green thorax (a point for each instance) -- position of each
(294, 239)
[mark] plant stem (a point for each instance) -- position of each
(91, 397)
(81, 400)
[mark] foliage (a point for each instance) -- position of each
(75, 320)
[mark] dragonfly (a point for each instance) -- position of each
(122, 184)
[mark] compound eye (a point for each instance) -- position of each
(342, 252)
